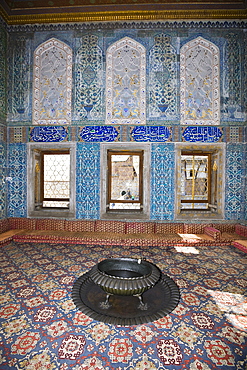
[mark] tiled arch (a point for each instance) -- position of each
(200, 82)
(125, 82)
(52, 83)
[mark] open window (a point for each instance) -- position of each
(199, 181)
(51, 181)
(125, 180)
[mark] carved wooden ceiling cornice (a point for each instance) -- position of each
(140, 11)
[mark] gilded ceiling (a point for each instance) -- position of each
(47, 11)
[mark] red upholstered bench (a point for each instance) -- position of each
(109, 232)
(241, 244)
(241, 230)
(213, 232)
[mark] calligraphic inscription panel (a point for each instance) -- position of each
(150, 133)
(202, 134)
(125, 82)
(200, 83)
(99, 134)
(48, 134)
(52, 83)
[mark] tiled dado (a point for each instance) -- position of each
(88, 181)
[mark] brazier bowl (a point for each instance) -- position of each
(125, 276)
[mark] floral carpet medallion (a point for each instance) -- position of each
(41, 328)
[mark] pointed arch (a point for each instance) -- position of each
(200, 82)
(126, 82)
(52, 83)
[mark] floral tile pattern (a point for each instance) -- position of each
(42, 329)
(235, 190)
(3, 193)
(162, 181)
(88, 179)
(17, 185)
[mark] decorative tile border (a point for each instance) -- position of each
(3, 133)
(126, 25)
(17, 134)
(234, 134)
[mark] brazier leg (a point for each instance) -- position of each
(106, 304)
(142, 306)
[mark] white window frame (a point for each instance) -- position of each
(46, 212)
(218, 213)
(144, 213)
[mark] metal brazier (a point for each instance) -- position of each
(125, 276)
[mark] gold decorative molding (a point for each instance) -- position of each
(3, 14)
(153, 15)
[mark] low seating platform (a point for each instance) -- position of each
(130, 233)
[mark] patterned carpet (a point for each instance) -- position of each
(41, 329)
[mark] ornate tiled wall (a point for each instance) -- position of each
(245, 182)
(3, 131)
(3, 193)
(162, 181)
(88, 180)
(94, 117)
(3, 47)
(235, 182)
(17, 183)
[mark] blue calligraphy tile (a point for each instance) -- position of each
(150, 133)
(48, 134)
(205, 134)
(99, 133)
